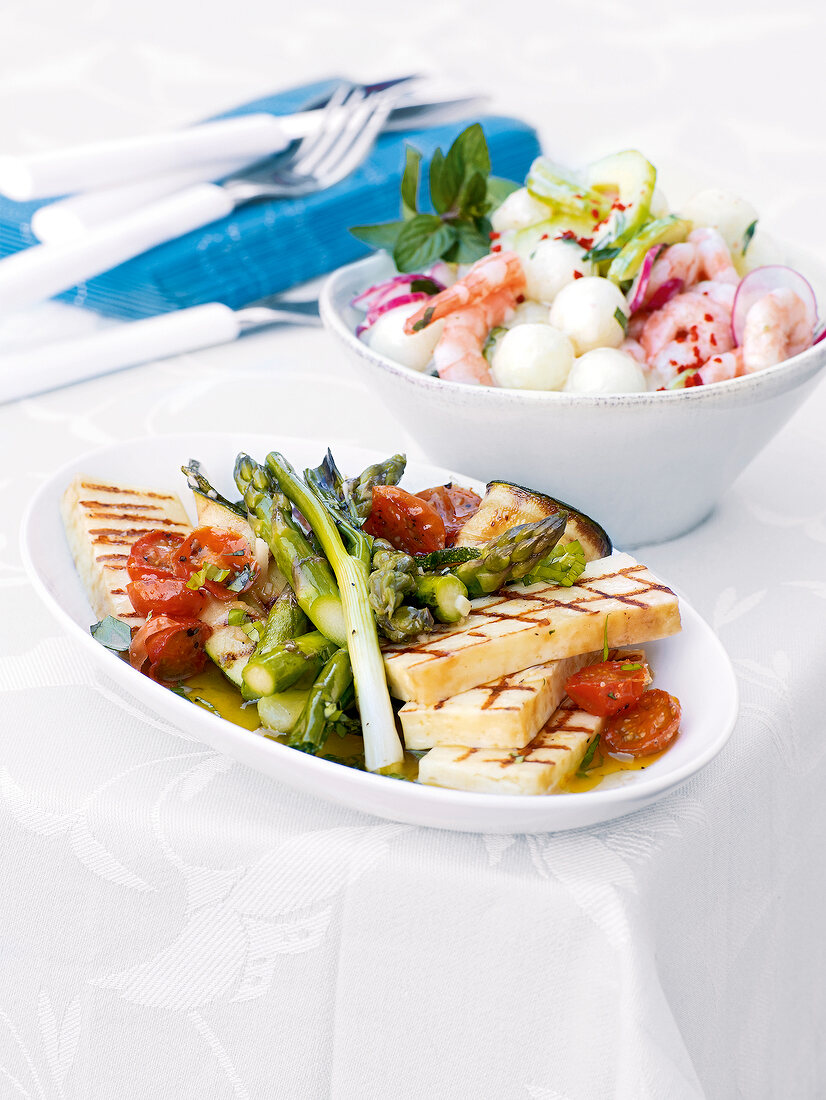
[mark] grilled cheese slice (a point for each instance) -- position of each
(102, 522)
(540, 768)
(506, 713)
(520, 627)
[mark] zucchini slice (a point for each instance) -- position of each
(506, 505)
(229, 647)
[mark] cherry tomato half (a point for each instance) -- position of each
(406, 521)
(155, 553)
(647, 728)
(169, 649)
(221, 548)
(454, 504)
(164, 596)
(608, 687)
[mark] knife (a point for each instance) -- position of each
(65, 362)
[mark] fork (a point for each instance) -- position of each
(349, 126)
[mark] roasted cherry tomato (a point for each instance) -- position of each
(608, 687)
(220, 548)
(169, 649)
(164, 596)
(406, 521)
(650, 726)
(155, 553)
(454, 504)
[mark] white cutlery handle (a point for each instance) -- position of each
(45, 270)
(65, 171)
(69, 361)
(68, 219)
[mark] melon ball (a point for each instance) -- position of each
(587, 310)
(552, 265)
(518, 211)
(606, 370)
(387, 337)
(659, 205)
(529, 312)
(724, 211)
(532, 357)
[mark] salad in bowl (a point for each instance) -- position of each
(582, 282)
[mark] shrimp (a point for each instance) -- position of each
(685, 334)
(704, 256)
(475, 304)
(634, 349)
(721, 293)
(496, 271)
(722, 367)
(777, 327)
(458, 354)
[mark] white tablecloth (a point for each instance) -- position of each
(173, 924)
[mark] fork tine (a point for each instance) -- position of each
(335, 121)
(345, 157)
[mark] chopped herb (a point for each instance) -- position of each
(589, 756)
(237, 617)
(519, 759)
(112, 633)
(605, 641)
(197, 580)
(621, 319)
(611, 695)
(631, 666)
(599, 255)
(251, 630)
(241, 581)
(186, 693)
(747, 236)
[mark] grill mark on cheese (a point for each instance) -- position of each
(117, 490)
(136, 531)
(112, 557)
(123, 504)
(429, 648)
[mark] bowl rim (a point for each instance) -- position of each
(788, 374)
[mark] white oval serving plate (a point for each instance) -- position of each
(693, 665)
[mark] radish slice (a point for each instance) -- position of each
(664, 293)
(375, 295)
(820, 333)
(762, 281)
(636, 295)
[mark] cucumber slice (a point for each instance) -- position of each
(670, 230)
(524, 241)
(549, 183)
(631, 178)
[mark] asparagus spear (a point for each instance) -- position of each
(287, 662)
(308, 572)
(512, 555)
(395, 576)
(324, 705)
(445, 595)
(382, 747)
(199, 483)
(285, 621)
(358, 491)
(280, 712)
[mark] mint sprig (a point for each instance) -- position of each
(462, 194)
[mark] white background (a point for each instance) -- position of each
(172, 924)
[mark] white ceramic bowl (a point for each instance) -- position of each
(648, 466)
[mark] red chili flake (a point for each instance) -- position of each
(681, 336)
(692, 332)
(577, 275)
(568, 235)
(693, 380)
(577, 196)
(660, 389)
(544, 237)
(617, 205)
(496, 248)
(713, 340)
(707, 317)
(494, 236)
(594, 212)
(520, 298)
(586, 242)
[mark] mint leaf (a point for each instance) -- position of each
(410, 183)
(422, 241)
(112, 633)
(473, 150)
(471, 244)
(473, 197)
(444, 186)
(378, 236)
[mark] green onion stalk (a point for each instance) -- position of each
(382, 748)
